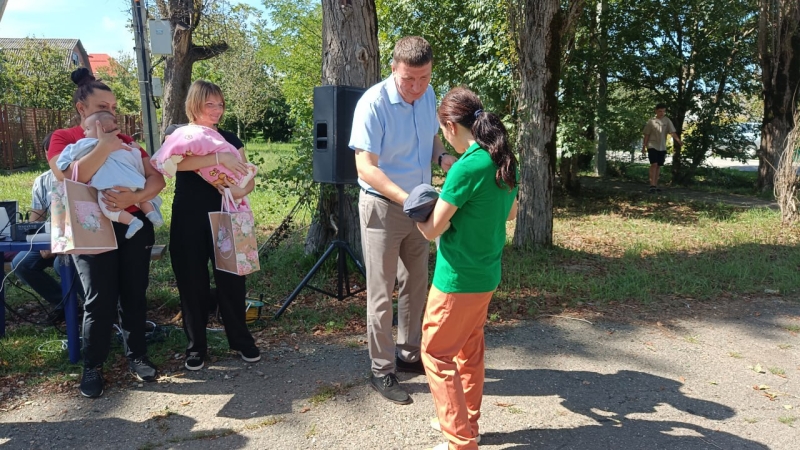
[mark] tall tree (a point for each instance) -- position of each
(289, 43)
(192, 41)
(470, 40)
(350, 57)
(240, 72)
(691, 55)
(779, 52)
(602, 117)
(538, 26)
(38, 77)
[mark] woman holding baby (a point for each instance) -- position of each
(115, 282)
(191, 243)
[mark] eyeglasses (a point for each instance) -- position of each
(211, 105)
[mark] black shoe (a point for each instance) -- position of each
(411, 367)
(142, 369)
(92, 382)
(251, 355)
(390, 389)
(194, 361)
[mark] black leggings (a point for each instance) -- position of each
(115, 284)
(191, 250)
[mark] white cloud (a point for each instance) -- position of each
(109, 24)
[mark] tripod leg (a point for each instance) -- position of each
(357, 262)
(342, 278)
(305, 281)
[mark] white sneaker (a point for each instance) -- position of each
(436, 426)
(442, 446)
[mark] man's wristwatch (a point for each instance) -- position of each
(440, 159)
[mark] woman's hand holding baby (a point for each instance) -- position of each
(109, 139)
(232, 163)
(119, 198)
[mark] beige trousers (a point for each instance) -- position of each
(394, 250)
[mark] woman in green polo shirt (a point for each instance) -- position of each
(478, 196)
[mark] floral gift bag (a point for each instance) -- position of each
(77, 224)
(235, 248)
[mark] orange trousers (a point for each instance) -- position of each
(452, 353)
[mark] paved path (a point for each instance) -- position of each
(691, 376)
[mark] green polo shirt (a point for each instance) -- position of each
(469, 256)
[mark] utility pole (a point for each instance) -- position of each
(152, 136)
(2, 7)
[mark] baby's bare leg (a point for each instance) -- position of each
(146, 207)
(125, 217)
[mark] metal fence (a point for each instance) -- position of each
(22, 131)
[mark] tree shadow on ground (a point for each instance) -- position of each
(91, 432)
(614, 403)
(632, 434)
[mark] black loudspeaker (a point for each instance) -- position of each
(334, 162)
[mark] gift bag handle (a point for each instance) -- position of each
(75, 171)
(228, 203)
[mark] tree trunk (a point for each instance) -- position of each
(350, 57)
(177, 79)
(601, 119)
(538, 26)
(679, 174)
(779, 50)
(178, 67)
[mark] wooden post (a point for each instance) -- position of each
(36, 149)
(4, 140)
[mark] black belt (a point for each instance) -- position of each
(375, 194)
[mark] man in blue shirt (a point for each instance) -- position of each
(395, 140)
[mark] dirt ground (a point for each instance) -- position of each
(673, 375)
(685, 375)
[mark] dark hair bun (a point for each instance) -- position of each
(81, 76)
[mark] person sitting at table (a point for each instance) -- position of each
(29, 267)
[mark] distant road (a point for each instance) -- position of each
(751, 165)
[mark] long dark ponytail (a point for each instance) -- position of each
(462, 106)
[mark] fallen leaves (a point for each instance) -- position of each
(763, 389)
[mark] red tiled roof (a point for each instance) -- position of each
(98, 60)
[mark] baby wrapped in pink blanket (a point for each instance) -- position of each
(197, 140)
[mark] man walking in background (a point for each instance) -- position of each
(654, 144)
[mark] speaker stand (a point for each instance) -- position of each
(343, 277)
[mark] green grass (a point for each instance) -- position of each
(787, 420)
(777, 371)
(607, 248)
(707, 179)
